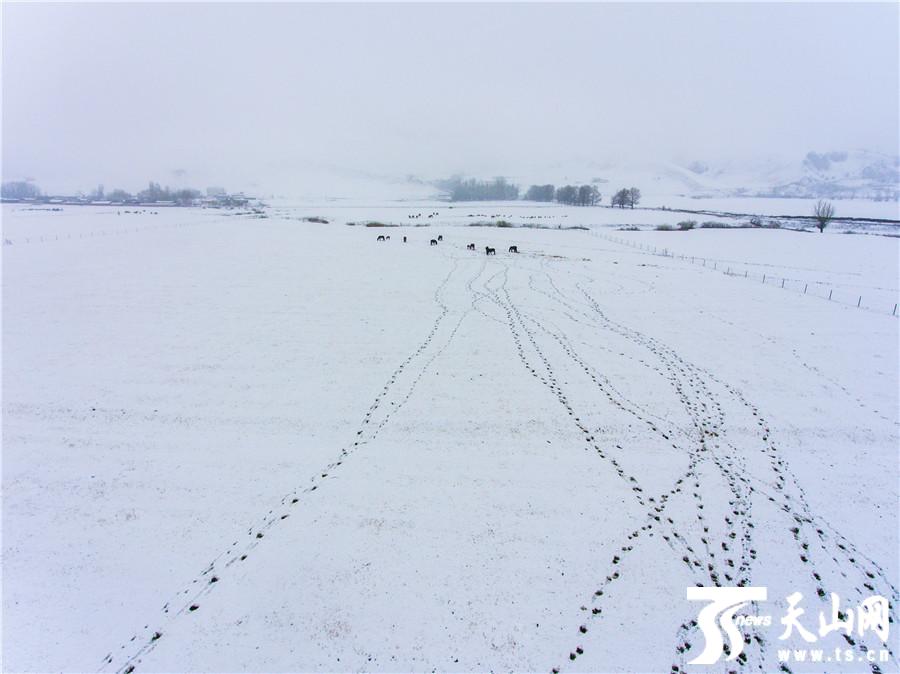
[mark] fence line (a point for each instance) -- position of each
(793, 285)
(70, 236)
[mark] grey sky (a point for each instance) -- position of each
(235, 93)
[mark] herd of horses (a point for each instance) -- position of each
(487, 249)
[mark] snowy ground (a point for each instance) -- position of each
(351, 455)
(649, 212)
(854, 208)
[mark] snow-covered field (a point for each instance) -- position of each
(854, 208)
(847, 269)
(534, 213)
(238, 444)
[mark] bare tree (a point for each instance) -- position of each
(584, 195)
(622, 198)
(823, 213)
(633, 196)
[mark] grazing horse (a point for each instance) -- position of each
(440, 237)
(471, 246)
(388, 238)
(433, 242)
(513, 249)
(380, 237)
(489, 251)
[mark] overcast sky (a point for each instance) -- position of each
(121, 93)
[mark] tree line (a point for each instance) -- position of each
(25, 189)
(627, 196)
(578, 195)
(582, 195)
(497, 189)
(19, 189)
(156, 193)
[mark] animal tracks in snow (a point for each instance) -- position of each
(725, 485)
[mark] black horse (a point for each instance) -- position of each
(380, 237)
(489, 251)
(513, 249)
(434, 242)
(471, 246)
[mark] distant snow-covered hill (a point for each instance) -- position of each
(860, 174)
(855, 174)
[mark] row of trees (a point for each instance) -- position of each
(627, 196)
(156, 193)
(540, 193)
(483, 190)
(578, 195)
(19, 189)
(575, 195)
(24, 189)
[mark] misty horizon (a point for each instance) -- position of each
(258, 97)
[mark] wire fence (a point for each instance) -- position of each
(812, 288)
(48, 237)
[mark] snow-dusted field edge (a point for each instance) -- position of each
(398, 457)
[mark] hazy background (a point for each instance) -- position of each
(258, 95)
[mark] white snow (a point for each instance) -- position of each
(853, 174)
(464, 436)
